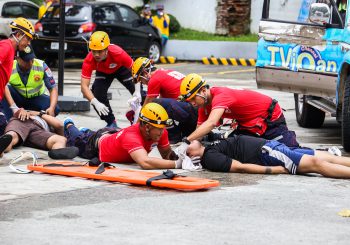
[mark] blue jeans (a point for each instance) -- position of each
(87, 141)
(38, 103)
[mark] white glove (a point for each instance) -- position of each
(134, 103)
(137, 92)
(178, 163)
(100, 108)
(188, 164)
(181, 149)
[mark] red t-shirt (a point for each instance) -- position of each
(165, 83)
(249, 108)
(116, 58)
(7, 55)
(118, 146)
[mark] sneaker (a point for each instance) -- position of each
(64, 153)
(83, 129)
(335, 151)
(66, 122)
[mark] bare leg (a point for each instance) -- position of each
(312, 164)
(56, 142)
(326, 156)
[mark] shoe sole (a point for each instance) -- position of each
(5, 141)
(64, 153)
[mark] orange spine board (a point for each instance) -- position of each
(130, 176)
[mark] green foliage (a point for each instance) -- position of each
(38, 2)
(174, 25)
(188, 34)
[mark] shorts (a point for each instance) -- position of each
(275, 153)
(31, 133)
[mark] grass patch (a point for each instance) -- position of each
(188, 34)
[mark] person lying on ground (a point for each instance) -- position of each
(247, 154)
(40, 131)
(128, 145)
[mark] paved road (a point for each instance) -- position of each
(246, 209)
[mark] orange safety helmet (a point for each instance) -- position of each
(23, 25)
(190, 85)
(154, 114)
(99, 40)
(139, 65)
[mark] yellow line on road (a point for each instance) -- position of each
(235, 71)
(226, 72)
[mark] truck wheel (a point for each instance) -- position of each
(307, 115)
(345, 126)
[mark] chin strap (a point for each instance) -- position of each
(203, 97)
(23, 156)
(17, 40)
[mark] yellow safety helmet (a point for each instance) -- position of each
(190, 85)
(138, 66)
(99, 40)
(23, 25)
(154, 114)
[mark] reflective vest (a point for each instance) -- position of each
(35, 85)
(342, 7)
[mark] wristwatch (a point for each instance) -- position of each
(184, 139)
(41, 113)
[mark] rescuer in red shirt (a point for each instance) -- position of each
(253, 113)
(160, 82)
(110, 61)
(22, 33)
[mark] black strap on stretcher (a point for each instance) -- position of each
(102, 167)
(63, 165)
(93, 162)
(166, 175)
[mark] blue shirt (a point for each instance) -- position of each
(48, 77)
(179, 111)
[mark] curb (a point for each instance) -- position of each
(228, 61)
(167, 59)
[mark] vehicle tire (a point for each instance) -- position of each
(307, 116)
(154, 51)
(345, 126)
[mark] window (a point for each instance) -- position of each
(105, 14)
(12, 10)
(29, 11)
(297, 11)
(128, 14)
(73, 12)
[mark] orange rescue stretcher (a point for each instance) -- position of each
(108, 172)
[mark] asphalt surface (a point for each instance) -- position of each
(245, 209)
